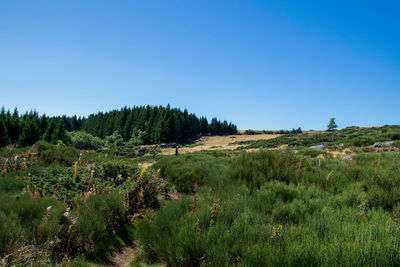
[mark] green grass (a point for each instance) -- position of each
(318, 208)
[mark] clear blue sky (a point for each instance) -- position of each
(260, 64)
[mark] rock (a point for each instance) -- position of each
(142, 151)
(347, 157)
(320, 147)
(382, 144)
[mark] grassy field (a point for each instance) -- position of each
(266, 200)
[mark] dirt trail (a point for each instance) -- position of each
(120, 258)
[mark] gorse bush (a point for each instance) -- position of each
(97, 218)
(117, 169)
(59, 153)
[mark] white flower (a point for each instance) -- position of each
(66, 214)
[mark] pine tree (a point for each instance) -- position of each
(50, 131)
(59, 133)
(13, 126)
(43, 124)
(30, 133)
(3, 132)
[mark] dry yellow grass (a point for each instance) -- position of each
(219, 143)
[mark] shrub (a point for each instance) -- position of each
(119, 170)
(59, 153)
(83, 140)
(187, 170)
(97, 219)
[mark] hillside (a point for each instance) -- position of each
(246, 200)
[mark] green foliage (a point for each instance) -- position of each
(99, 216)
(138, 125)
(348, 137)
(312, 152)
(30, 134)
(118, 170)
(3, 133)
(83, 140)
(154, 125)
(252, 132)
(49, 214)
(332, 125)
(274, 208)
(137, 137)
(114, 139)
(59, 153)
(187, 170)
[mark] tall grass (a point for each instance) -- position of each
(281, 209)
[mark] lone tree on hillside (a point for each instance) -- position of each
(332, 125)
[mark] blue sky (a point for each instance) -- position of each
(259, 64)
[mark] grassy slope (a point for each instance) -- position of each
(251, 209)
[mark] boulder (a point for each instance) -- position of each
(142, 151)
(347, 157)
(383, 144)
(320, 147)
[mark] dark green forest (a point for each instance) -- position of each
(149, 124)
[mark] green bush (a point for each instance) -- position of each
(185, 171)
(59, 153)
(83, 140)
(118, 170)
(97, 219)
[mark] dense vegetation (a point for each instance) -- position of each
(139, 125)
(57, 203)
(289, 207)
(336, 140)
(155, 124)
(277, 209)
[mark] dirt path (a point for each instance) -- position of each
(120, 258)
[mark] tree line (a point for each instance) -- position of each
(150, 124)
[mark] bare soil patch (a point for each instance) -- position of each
(219, 143)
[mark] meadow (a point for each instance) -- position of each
(280, 204)
(276, 208)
